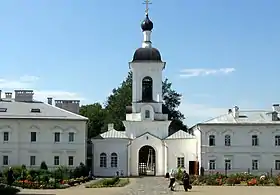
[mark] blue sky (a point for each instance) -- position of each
(228, 50)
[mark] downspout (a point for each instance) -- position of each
(128, 158)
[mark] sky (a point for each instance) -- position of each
(219, 53)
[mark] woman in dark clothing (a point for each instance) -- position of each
(10, 177)
(186, 181)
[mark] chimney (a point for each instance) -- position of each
(110, 126)
(69, 105)
(236, 112)
(50, 100)
(8, 95)
(229, 111)
(24, 95)
(276, 108)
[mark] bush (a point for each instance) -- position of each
(7, 190)
(80, 171)
(111, 182)
(43, 166)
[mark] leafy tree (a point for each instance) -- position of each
(122, 97)
(96, 115)
(43, 166)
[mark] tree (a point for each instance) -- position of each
(43, 166)
(96, 115)
(122, 97)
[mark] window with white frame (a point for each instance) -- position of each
(212, 140)
(212, 164)
(56, 160)
(6, 136)
(227, 164)
(277, 164)
(255, 164)
(5, 160)
(255, 140)
(71, 137)
(114, 160)
(70, 160)
(56, 137)
(180, 162)
(103, 160)
(32, 160)
(227, 140)
(277, 140)
(147, 113)
(33, 136)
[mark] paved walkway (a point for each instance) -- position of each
(157, 186)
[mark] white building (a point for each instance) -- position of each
(32, 132)
(241, 141)
(145, 147)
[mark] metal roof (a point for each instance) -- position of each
(113, 134)
(22, 110)
(180, 135)
(245, 117)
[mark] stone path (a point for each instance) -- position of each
(157, 186)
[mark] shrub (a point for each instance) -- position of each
(7, 190)
(179, 175)
(43, 166)
(80, 171)
(110, 182)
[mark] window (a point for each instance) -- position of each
(277, 140)
(3, 109)
(5, 160)
(181, 162)
(6, 136)
(103, 160)
(70, 160)
(147, 89)
(255, 140)
(147, 113)
(71, 137)
(33, 137)
(32, 160)
(277, 164)
(57, 137)
(227, 140)
(212, 164)
(227, 164)
(212, 140)
(255, 164)
(36, 110)
(114, 160)
(56, 160)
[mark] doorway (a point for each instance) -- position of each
(193, 167)
(147, 161)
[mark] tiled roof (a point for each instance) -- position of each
(180, 135)
(18, 110)
(245, 117)
(113, 134)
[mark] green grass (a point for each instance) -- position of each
(106, 183)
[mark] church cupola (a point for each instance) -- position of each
(147, 24)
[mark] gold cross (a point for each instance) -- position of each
(147, 2)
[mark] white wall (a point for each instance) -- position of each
(108, 146)
(19, 147)
(241, 152)
(181, 148)
(152, 141)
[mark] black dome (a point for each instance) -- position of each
(146, 54)
(147, 24)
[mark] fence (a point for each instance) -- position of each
(268, 171)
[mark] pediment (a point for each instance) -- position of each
(34, 127)
(227, 132)
(212, 132)
(254, 132)
(7, 128)
(148, 135)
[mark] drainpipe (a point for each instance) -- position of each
(128, 158)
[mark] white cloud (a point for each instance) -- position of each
(205, 72)
(29, 82)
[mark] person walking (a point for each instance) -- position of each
(172, 180)
(186, 181)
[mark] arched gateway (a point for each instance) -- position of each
(147, 161)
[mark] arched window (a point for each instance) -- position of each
(114, 160)
(227, 140)
(212, 140)
(103, 160)
(147, 113)
(147, 89)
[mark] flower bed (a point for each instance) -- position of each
(235, 179)
(109, 182)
